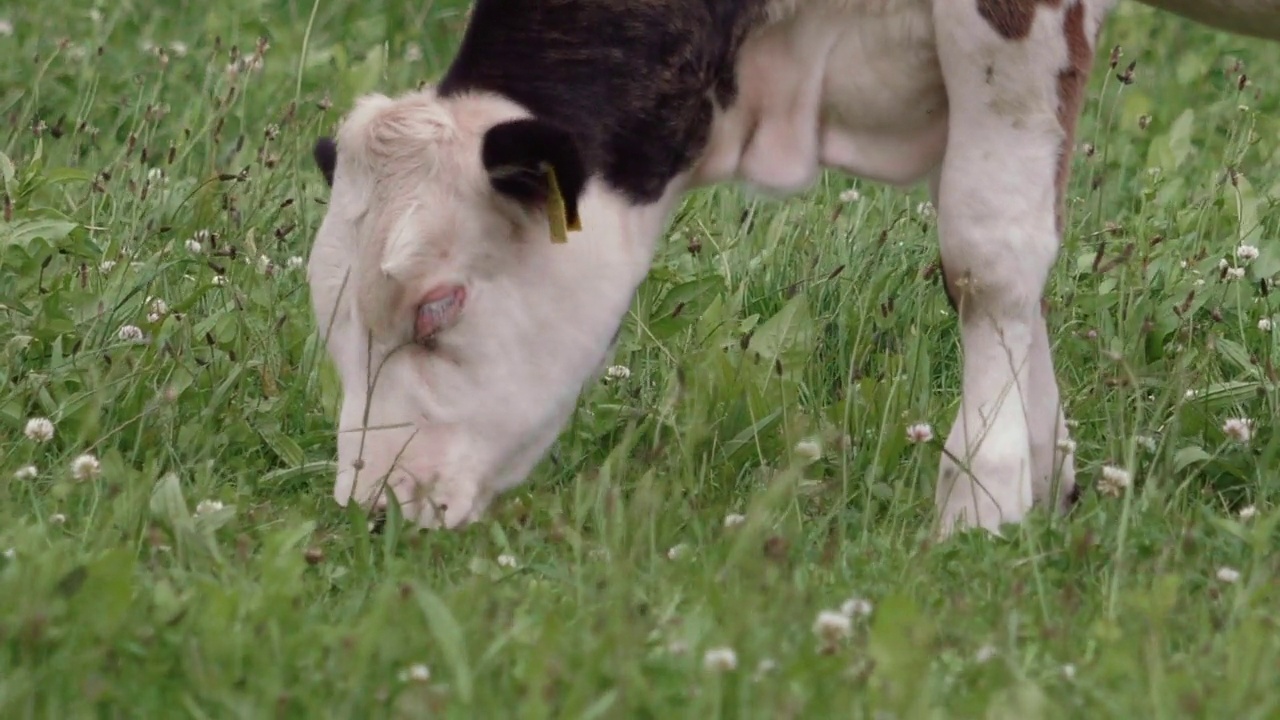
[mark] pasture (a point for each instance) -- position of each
(737, 522)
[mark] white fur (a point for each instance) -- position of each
(898, 91)
(458, 425)
(996, 208)
(848, 84)
(861, 86)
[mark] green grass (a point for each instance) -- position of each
(120, 601)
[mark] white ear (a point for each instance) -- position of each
(353, 135)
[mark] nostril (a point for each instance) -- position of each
(1073, 495)
(377, 522)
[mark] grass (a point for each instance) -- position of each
(121, 600)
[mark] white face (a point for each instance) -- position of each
(461, 333)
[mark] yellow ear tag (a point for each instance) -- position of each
(561, 224)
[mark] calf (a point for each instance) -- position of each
(485, 236)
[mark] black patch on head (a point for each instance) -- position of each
(325, 153)
(634, 82)
(516, 153)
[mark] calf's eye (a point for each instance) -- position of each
(438, 311)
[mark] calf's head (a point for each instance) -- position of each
(461, 328)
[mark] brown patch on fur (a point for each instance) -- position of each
(1012, 18)
(1072, 80)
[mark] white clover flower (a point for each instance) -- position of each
(294, 262)
(1228, 574)
(926, 209)
(1114, 481)
(809, 450)
(508, 561)
(130, 334)
(618, 372)
(1069, 671)
(850, 196)
(720, 659)
(1235, 273)
(39, 429)
(734, 520)
(1246, 253)
(919, 433)
(831, 626)
(6, 28)
(417, 673)
(985, 654)
(1146, 442)
(107, 266)
(677, 551)
(1238, 429)
(26, 472)
(765, 667)
(194, 247)
(57, 519)
(1223, 264)
(1248, 513)
(85, 467)
(220, 280)
(1067, 445)
(159, 308)
(856, 606)
(204, 507)
(1264, 324)
(265, 265)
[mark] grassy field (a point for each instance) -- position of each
(712, 536)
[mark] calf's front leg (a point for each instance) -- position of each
(1015, 72)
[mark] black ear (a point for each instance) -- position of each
(515, 154)
(326, 156)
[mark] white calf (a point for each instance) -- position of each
(463, 326)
